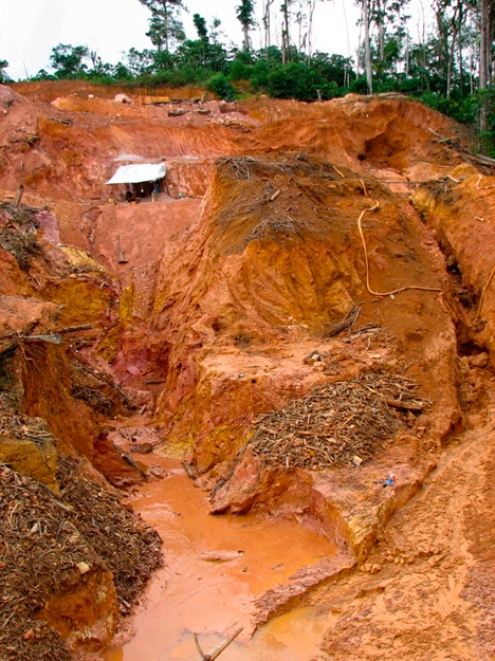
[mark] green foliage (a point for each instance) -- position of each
(140, 63)
(240, 71)
(298, 81)
(200, 25)
(334, 68)
(68, 61)
(245, 12)
(43, 75)
(260, 75)
(220, 85)
(3, 74)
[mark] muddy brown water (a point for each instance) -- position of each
(214, 599)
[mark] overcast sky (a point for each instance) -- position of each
(29, 29)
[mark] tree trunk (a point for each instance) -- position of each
(406, 57)
(245, 37)
(285, 32)
(367, 49)
(485, 47)
(450, 63)
(312, 5)
(266, 22)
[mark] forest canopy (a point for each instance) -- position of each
(449, 67)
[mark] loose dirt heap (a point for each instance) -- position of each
(307, 307)
(72, 556)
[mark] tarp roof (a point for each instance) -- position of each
(137, 174)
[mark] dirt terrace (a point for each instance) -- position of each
(307, 307)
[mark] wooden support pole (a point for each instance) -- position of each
(20, 192)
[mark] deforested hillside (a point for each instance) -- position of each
(301, 311)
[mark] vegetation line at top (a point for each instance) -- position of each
(449, 66)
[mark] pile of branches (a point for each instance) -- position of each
(45, 538)
(246, 167)
(39, 548)
(130, 549)
(18, 228)
(337, 423)
(97, 390)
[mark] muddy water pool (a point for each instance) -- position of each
(193, 594)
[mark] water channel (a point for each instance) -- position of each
(194, 595)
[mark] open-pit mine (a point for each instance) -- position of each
(247, 400)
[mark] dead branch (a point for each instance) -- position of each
(483, 294)
(348, 322)
(216, 653)
(406, 406)
(75, 329)
(128, 459)
(19, 195)
(442, 139)
(189, 470)
(476, 158)
(53, 338)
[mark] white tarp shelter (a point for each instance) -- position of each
(138, 174)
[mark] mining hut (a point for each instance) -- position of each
(138, 181)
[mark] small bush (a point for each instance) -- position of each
(298, 81)
(221, 87)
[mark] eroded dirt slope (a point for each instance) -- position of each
(306, 308)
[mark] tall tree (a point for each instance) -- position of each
(300, 20)
(165, 24)
(311, 10)
(365, 18)
(245, 15)
(487, 26)
(285, 8)
(68, 61)
(267, 22)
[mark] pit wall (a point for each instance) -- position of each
(462, 215)
(212, 289)
(48, 91)
(240, 314)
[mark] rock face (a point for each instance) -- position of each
(290, 313)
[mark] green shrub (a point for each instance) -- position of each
(219, 85)
(297, 81)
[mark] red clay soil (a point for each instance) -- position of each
(307, 307)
